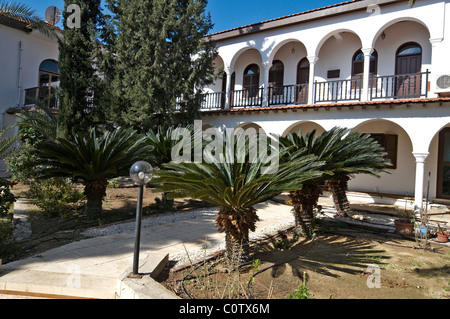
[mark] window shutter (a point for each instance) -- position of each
(390, 145)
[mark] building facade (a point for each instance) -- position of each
(28, 71)
(376, 67)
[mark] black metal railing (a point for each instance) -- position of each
(46, 95)
(246, 97)
(214, 100)
(338, 90)
(414, 85)
(288, 94)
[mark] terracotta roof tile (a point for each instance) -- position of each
(329, 105)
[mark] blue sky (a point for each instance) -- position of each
(227, 14)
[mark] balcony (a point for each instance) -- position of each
(386, 87)
(45, 95)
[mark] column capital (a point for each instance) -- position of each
(367, 51)
(312, 59)
(420, 156)
(227, 69)
(435, 41)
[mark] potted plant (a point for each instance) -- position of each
(442, 236)
(404, 225)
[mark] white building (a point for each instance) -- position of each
(28, 70)
(376, 66)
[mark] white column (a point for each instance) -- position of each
(228, 88)
(420, 173)
(312, 63)
(265, 101)
(365, 85)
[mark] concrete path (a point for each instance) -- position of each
(90, 268)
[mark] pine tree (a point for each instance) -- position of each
(161, 56)
(80, 83)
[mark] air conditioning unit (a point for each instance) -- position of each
(442, 83)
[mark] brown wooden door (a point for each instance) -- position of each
(407, 68)
(302, 81)
(443, 174)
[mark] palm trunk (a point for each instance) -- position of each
(338, 188)
(95, 191)
(236, 223)
(304, 202)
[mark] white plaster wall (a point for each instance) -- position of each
(399, 180)
(250, 56)
(417, 127)
(337, 53)
(35, 49)
(290, 60)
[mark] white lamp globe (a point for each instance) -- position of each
(141, 172)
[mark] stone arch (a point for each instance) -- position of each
(305, 126)
(400, 179)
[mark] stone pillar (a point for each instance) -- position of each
(365, 85)
(312, 63)
(228, 88)
(265, 97)
(419, 186)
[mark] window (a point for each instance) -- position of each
(48, 80)
(358, 63)
(48, 75)
(358, 68)
(276, 75)
(390, 143)
(251, 80)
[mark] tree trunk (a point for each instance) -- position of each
(304, 202)
(95, 191)
(338, 188)
(236, 223)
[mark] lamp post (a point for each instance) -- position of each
(141, 173)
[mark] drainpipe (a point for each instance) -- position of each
(19, 80)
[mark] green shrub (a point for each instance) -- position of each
(56, 196)
(6, 197)
(20, 163)
(7, 240)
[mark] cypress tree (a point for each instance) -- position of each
(162, 56)
(80, 83)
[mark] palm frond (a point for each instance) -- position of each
(24, 13)
(6, 142)
(235, 184)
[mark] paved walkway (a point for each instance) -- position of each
(90, 268)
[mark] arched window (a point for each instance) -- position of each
(48, 80)
(48, 74)
(251, 80)
(358, 63)
(408, 64)
(303, 71)
(276, 74)
(408, 58)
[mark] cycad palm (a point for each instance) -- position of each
(345, 154)
(235, 186)
(92, 160)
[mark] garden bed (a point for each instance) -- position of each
(339, 263)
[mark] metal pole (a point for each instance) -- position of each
(138, 230)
